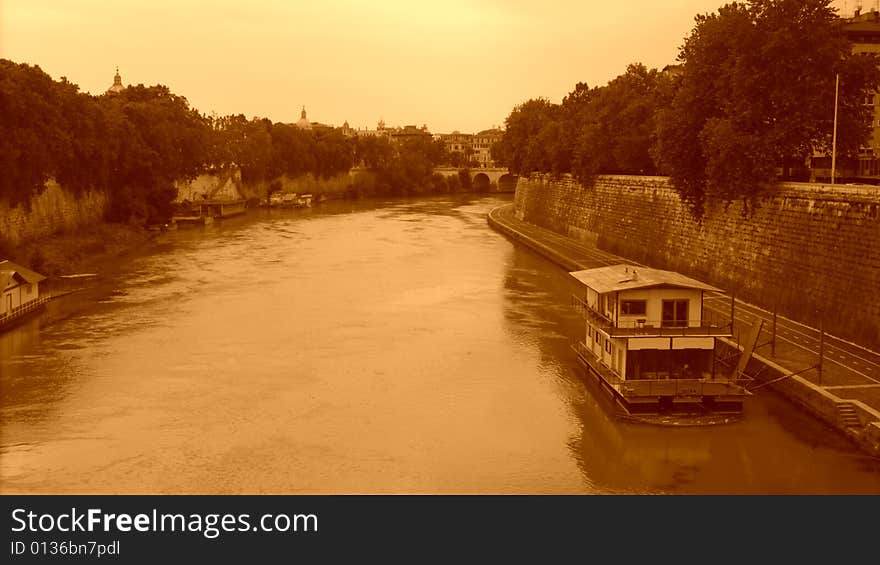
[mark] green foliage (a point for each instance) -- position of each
(593, 131)
(36, 139)
(464, 180)
(132, 145)
(453, 184)
(528, 129)
(756, 92)
(402, 168)
(136, 144)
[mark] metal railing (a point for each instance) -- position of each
(657, 387)
(21, 310)
(679, 387)
(644, 327)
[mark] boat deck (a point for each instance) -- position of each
(7, 319)
(660, 395)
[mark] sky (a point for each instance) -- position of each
(451, 65)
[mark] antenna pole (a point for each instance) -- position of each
(834, 135)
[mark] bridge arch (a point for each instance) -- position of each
(481, 182)
(485, 179)
(507, 183)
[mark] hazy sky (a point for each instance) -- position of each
(453, 64)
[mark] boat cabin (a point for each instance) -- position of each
(19, 290)
(648, 339)
(222, 208)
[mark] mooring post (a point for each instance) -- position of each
(732, 306)
(821, 347)
(773, 342)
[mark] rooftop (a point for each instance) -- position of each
(9, 270)
(629, 277)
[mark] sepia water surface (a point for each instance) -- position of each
(382, 347)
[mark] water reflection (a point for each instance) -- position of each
(774, 448)
(397, 347)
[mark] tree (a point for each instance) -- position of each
(756, 93)
(519, 148)
(609, 129)
(156, 140)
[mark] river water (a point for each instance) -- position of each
(381, 347)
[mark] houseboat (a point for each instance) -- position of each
(290, 200)
(205, 212)
(222, 208)
(19, 293)
(648, 343)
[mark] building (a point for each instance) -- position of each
(471, 150)
(647, 341)
(409, 132)
(457, 142)
(116, 87)
(303, 122)
(380, 131)
(483, 143)
(459, 147)
(19, 291)
(863, 31)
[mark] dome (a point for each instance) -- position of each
(303, 122)
(117, 84)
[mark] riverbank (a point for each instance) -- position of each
(776, 374)
(78, 251)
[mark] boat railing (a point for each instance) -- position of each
(23, 309)
(679, 387)
(588, 312)
(645, 327)
(657, 387)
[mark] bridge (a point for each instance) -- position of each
(485, 180)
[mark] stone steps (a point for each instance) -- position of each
(847, 415)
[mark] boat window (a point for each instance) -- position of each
(675, 313)
(633, 307)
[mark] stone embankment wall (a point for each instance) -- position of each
(54, 210)
(811, 251)
(227, 185)
(224, 185)
(333, 187)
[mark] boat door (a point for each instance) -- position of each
(9, 303)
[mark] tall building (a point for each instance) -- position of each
(117, 87)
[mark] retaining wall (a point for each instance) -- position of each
(810, 250)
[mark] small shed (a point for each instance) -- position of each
(19, 288)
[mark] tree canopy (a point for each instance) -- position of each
(756, 93)
(135, 144)
(751, 95)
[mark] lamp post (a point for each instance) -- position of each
(834, 135)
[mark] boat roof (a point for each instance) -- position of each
(9, 270)
(615, 278)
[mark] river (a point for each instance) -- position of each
(396, 346)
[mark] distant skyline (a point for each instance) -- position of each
(451, 65)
